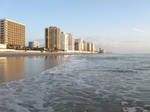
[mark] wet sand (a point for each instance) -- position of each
(16, 68)
(16, 54)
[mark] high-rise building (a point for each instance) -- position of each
(84, 45)
(89, 46)
(34, 44)
(52, 38)
(92, 47)
(12, 33)
(78, 44)
(70, 42)
(64, 41)
(67, 41)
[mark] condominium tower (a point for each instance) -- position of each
(64, 41)
(84, 45)
(67, 41)
(12, 33)
(71, 42)
(78, 44)
(89, 46)
(93, 47)
(52, 38)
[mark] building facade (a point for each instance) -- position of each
(34, 44)
(102, 51)
(71, 42)
(89, 46)
(78, 44)
(67, 41)
(64, 41)
(52, 38)
(84, 45)
(93, 47)
(12, 33)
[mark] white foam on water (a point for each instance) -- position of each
(55, 86)
(27, 95)
(134, 109)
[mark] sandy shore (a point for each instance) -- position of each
(15, 54)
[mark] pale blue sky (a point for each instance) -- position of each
(116, 25)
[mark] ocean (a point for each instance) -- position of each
(81, 83)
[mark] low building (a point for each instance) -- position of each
(3, 46)
(102, 51)
(34, 44)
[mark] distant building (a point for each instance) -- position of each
(12, 33)
(93, 47)
(102, 51)
(70, 42)
(89, 46)
(34, 44)
(64, 41)
(52, 38)
(84, 45)
(78, 44)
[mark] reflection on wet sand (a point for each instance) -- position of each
(51, 61)
(11, 68)
(14, 68)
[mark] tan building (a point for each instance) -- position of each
(78, 44)
(52, 38)
(93, 49)
(70, 42)
(12, 33)
(88, 46)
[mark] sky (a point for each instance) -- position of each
(119, 26)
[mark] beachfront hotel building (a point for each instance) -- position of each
(52, 38)
(12, 34)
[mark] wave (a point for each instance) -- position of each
(80, 84)
(30, 94)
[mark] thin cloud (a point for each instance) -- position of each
(119, 46)
(138, 30)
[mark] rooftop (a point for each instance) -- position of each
(12, 21)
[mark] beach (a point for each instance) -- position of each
(38, 53)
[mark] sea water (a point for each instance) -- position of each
(83, 83)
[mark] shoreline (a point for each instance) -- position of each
(18, 54)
